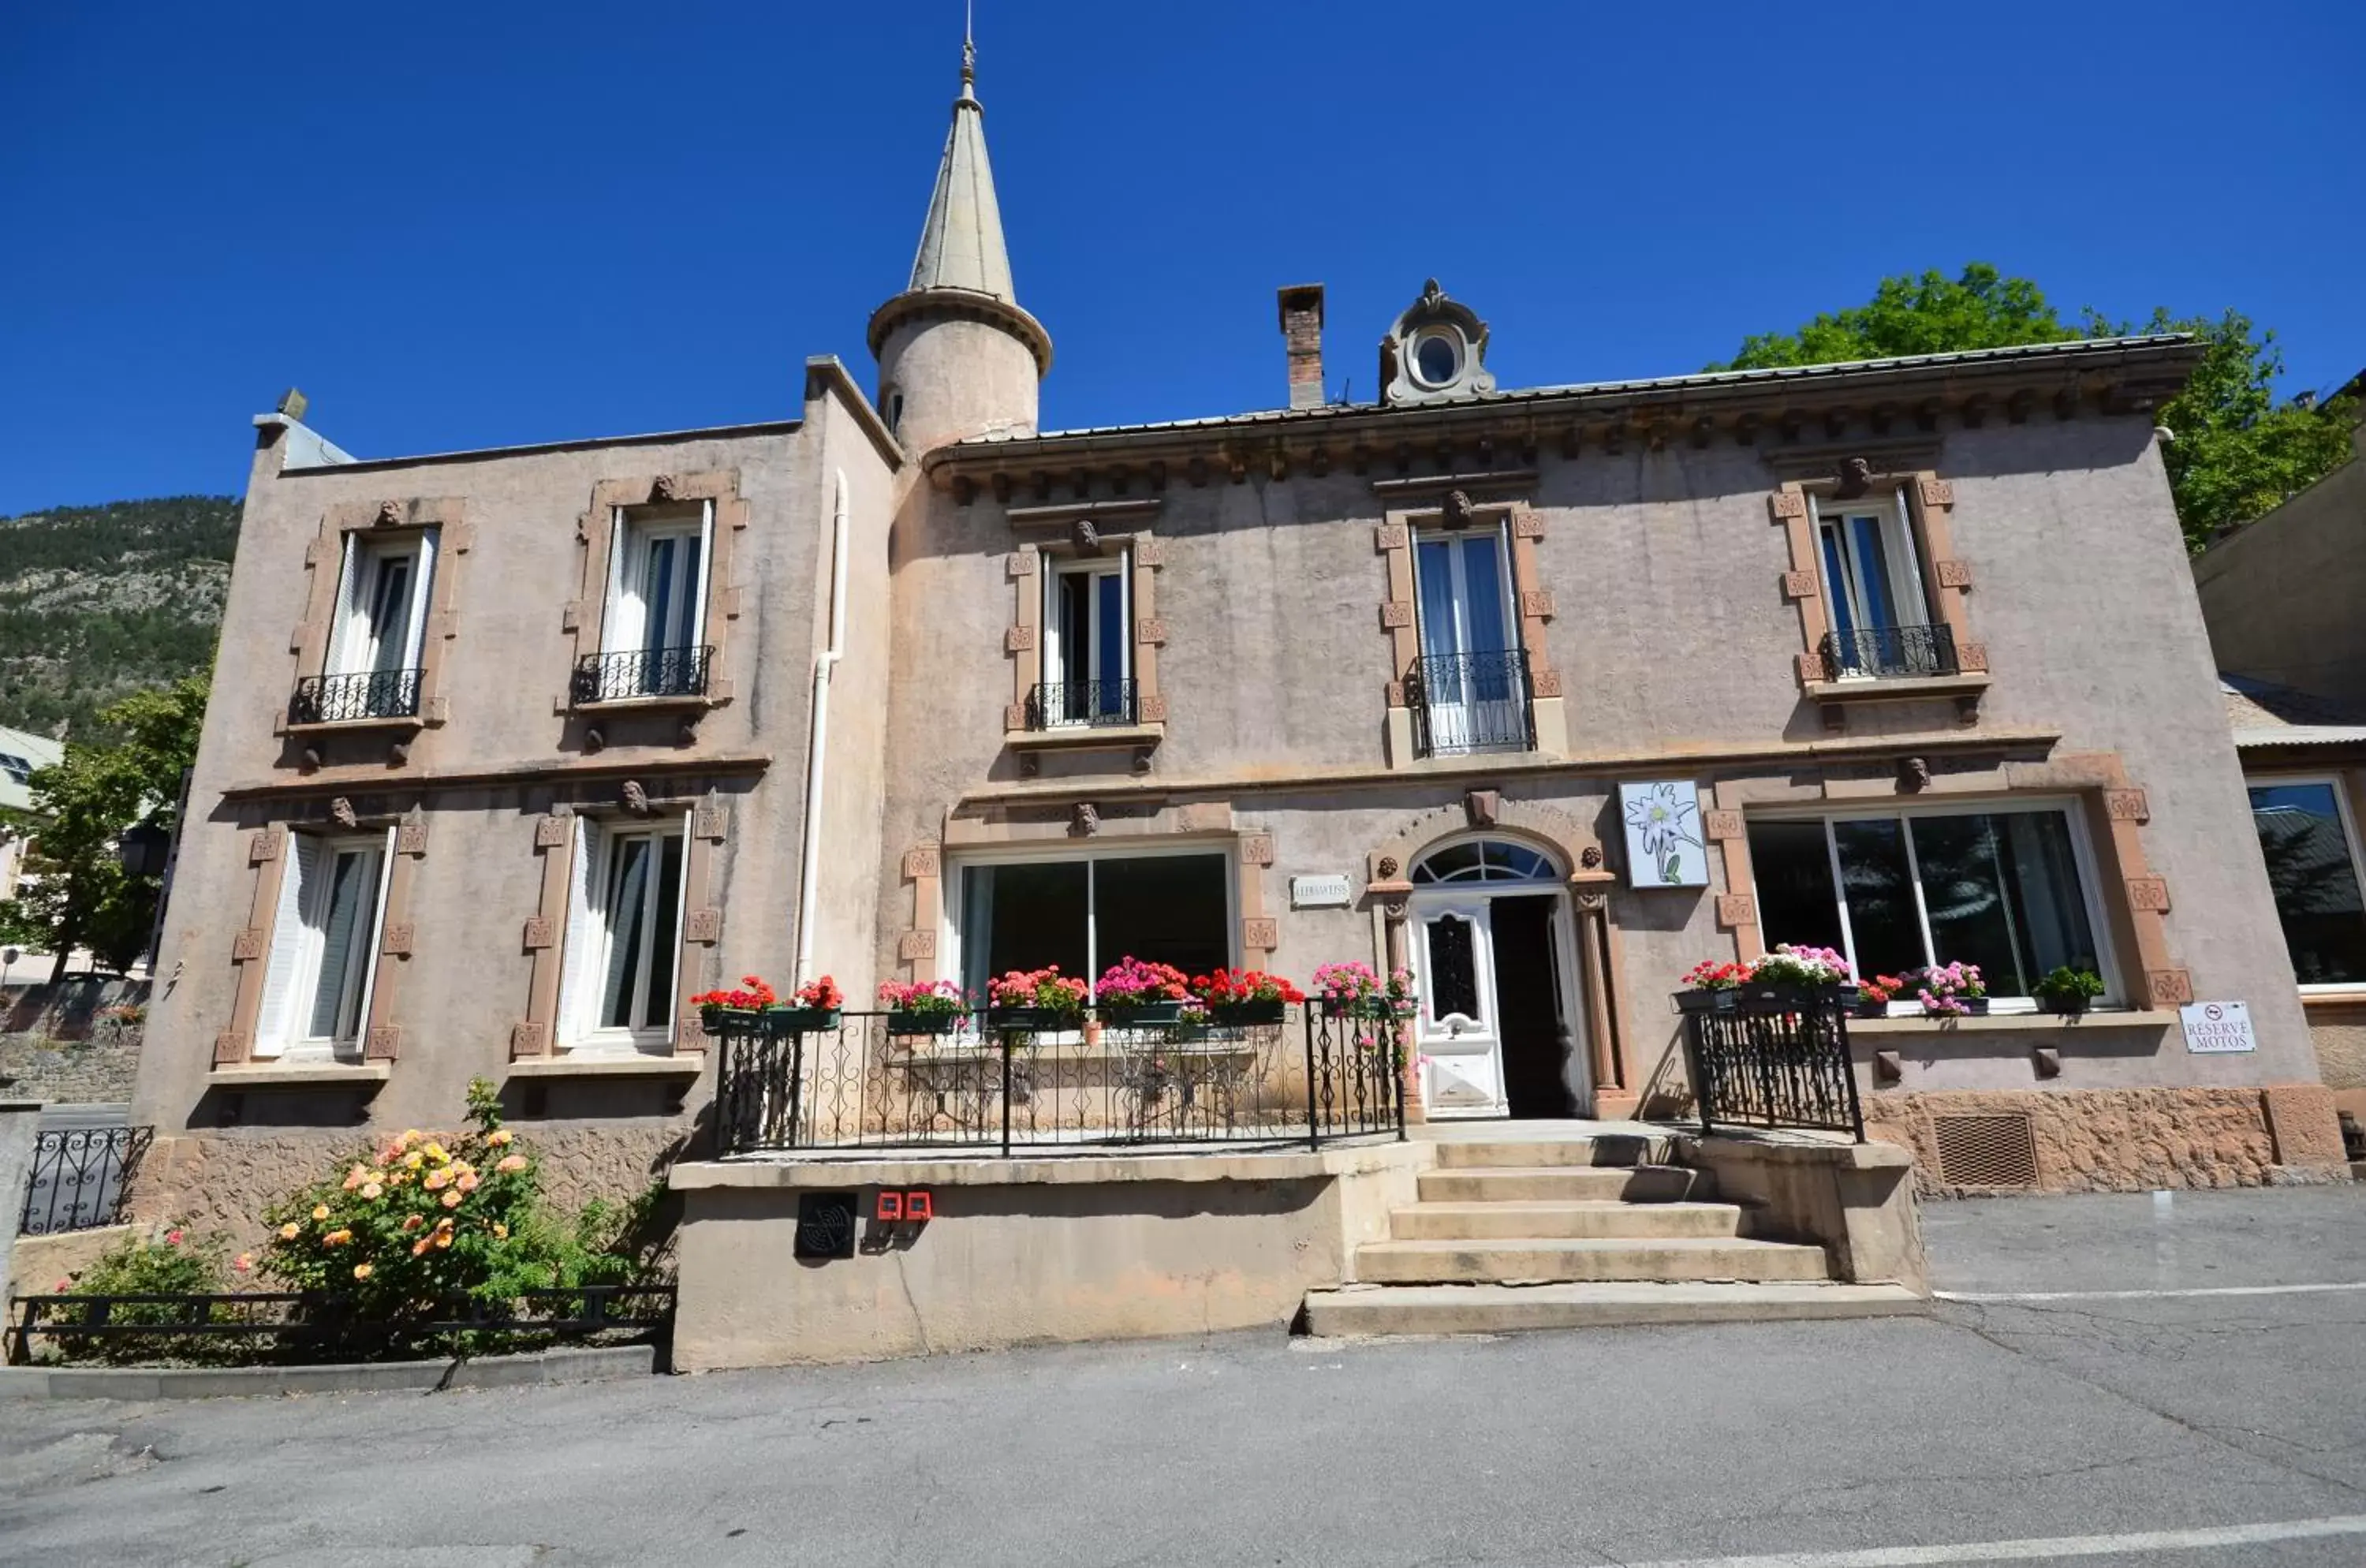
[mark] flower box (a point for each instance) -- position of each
(801, 1020)
(1141, 1015)
(1245, 1015)
(1039, 1020)
(1777, 998)
(2072, 1006)
(730, 1020)
(930, 1021)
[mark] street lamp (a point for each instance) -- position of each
(143, 849)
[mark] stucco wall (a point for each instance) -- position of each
(466, 982)
(2282, 593)
(1023, 1252)
(1672, 636)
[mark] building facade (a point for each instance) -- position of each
(1544, 695)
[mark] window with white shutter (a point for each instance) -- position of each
(324, 935)
(617, 986)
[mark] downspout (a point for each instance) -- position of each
(817, 744)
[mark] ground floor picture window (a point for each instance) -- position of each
(1086, 914)
(316, 985)
(624, 932)
(2312, 869)
(2000, 890)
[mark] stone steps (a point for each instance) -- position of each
(1366, 1310)
(1566, 1183)
(1656, 1148)
(1594, 1218)
(1542, 1259)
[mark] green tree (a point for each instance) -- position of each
(83, 896)
(2234, 452)
(1930, 314)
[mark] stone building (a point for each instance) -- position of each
(514, 751)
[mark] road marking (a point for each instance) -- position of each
(1979, 1297)
(2024, 1550)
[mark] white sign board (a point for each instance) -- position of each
(1665, 847)
(1319, 892)
(2218, 1026)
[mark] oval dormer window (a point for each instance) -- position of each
(1436, 357)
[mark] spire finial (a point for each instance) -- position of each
(969, 48)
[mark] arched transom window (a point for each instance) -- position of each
(1483, 859)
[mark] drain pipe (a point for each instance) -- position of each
(818, 747)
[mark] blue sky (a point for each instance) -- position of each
(472, 225)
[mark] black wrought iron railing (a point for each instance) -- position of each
(1058, 704)
(1891, 651)
(366, 694)
(80, 1176)
(289, 1326)
(1773, 1056)
(979, 1080)
(642, 672)
(1470, 702)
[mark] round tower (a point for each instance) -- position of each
(957, 356)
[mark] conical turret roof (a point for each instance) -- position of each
(961, 243)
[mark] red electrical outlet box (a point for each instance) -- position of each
(891, 1205)
(919, 1207)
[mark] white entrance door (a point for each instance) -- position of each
(1457, 1034)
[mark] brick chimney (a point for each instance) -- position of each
(1301, 332)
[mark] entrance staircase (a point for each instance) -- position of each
(1564, 1231)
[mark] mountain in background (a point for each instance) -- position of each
(99, 601)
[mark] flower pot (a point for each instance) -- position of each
(731, 1021)
(1724, 999)
(801, 1020)
(1244, 1015)
(1975, 1006)
(1141, 1015)
(1871, 1009)
(2072, 1006)
(932, 1022)
(1771, 997)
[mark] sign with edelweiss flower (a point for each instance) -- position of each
(1665, 846)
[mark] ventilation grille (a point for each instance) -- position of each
(1985, 1151)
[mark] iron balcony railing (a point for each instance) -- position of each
(1891, 652)
(1059, 704)
(366, 694)
(1772, 1056)
(642, 672)
(1003, 1081)
(1463, 702)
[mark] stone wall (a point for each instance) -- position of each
(2100, 1140)
(223, 1181)
(60, 1050)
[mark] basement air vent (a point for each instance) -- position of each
(1985, 1151)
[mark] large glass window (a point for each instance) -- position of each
(2312, 870)
(1473, 694)
(2000, 890)
(1087, 914)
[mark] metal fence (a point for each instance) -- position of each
(642, 672)
(980, 1081)
(1893, 652)
(1470, 702)
(368, 694)
(1773, 1056)
(289, 1325)
(80, 1176)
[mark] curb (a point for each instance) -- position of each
(601, 1363)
